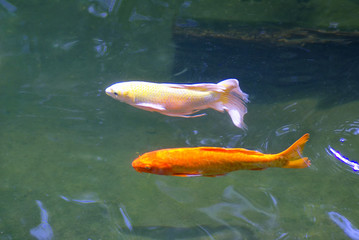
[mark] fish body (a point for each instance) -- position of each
(216, 161)
(183, 100)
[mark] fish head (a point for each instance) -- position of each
(119, 91)
(149, 163)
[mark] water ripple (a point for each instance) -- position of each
(102, 8)
(126, 218)
(286, 129)
(8, 6)
(87, 198)
(239, 208)
(43, 231)
(349, 127)
(180, 194)
(345, 225)
(101, 47)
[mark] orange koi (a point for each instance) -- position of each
(216, 161)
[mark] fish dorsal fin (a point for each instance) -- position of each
(232, 150)
(198, 87)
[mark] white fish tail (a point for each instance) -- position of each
(233, 100)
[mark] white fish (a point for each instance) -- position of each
(183, 100)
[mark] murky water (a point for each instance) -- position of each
(66, 148)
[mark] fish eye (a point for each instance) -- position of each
(115, 93)
(147, 167)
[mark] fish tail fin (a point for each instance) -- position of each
(294, 154)
(233, 100)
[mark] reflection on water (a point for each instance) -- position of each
(195, 138)
(345, 225)
(114, 215)
(8, 6)
(65, 45)
(102, 8)
(179, 194)
(238, 209)
(101, 47)
(206, 231)
(349, 127)
(126, 218)
(234, 141)
(195, 232)
(63, 140)
(286, 129)
(44, 230)
(344, 159)
(83, 199)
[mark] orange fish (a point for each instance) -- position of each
(216, 161)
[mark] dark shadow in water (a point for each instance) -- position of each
(270, 72)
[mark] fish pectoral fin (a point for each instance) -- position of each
(151, 106)
(184, 116)
(197, 175)
(194, 116)
(187, 175)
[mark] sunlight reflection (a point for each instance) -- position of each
(65, 45)
(87, 198)
(102, 8)
(345, 225)
(126, 218)
(43, 231)
(349, 127)
(120, 221)
(286, 129)
(338, 155)
(206, 231)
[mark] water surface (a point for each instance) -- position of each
(66, 148)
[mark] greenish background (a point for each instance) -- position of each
(66, 148)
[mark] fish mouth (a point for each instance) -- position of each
(139, 167)
(109, 91)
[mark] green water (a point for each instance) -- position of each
(66, 148)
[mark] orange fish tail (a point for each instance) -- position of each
(294, 154)
(233, 100)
